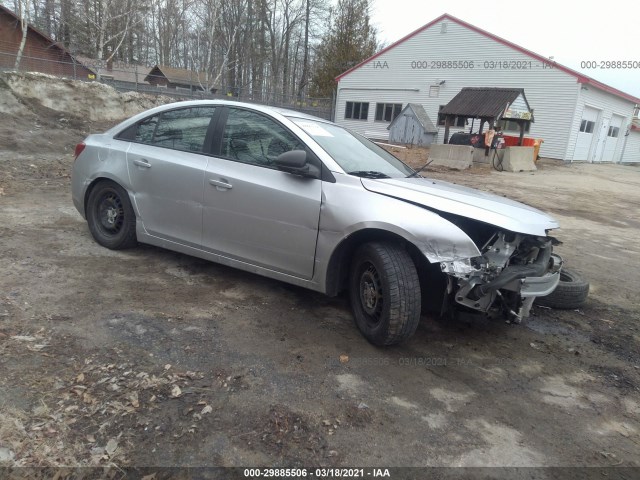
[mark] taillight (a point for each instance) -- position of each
(79, 149)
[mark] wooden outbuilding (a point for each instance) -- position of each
(489, 105)
(179, 78)
(41, 53)
(117, 73)
(412, 126)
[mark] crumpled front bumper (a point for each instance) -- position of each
(478, 295)
(532, 287)
(538, 286)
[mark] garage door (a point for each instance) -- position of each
(586, 133)
(612, 138)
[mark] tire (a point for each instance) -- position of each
(385, 293)
(110, 216)
(570, 293)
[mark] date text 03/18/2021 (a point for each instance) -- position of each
(291, 473)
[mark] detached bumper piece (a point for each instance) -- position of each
(513, 271)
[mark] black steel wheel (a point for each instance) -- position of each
(110, 216)
(385, 293)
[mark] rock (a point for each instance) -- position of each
(6, 455)
(111, 447)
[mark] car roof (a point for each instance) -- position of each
(199, 103)
(295, 113)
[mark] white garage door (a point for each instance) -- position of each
(612, 138)
(586, 133)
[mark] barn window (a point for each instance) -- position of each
(356, 111)
(386, 112)
(613, 132)
(586, 126)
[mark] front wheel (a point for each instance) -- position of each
(110, 216)
(385, 293)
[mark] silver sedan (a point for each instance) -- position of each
(304, 201)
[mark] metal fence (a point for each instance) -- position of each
(131, 78)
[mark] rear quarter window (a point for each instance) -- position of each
(145, 130)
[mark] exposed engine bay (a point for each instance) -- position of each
(512, 271)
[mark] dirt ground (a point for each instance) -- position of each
(151, 358)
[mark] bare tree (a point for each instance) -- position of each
(22, 9)
(265, 50)
(108, 22)
(314, 10)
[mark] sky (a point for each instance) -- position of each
(570, 31)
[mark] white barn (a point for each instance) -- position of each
(579, 118)
(631, 153)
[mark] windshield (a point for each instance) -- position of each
(354, 153)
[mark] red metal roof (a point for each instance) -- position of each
(580, 77)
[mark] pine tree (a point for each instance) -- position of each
(350, 40)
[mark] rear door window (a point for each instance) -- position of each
(181, 129)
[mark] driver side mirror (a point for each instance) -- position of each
(295, 162)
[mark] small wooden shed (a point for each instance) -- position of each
(412, 126)
(161, 75)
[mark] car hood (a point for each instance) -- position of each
(466, 202)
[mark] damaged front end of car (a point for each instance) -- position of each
(512, 270)
(499, 258)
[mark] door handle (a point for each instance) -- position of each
(142, 163)
(221, 184)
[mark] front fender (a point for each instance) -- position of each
(346, 203)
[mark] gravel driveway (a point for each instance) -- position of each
(148, 357)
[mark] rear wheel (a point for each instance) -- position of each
(110, 216)
(385, 293)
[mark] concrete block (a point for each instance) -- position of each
(478, 155)
(458, 157)
(518, 159)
